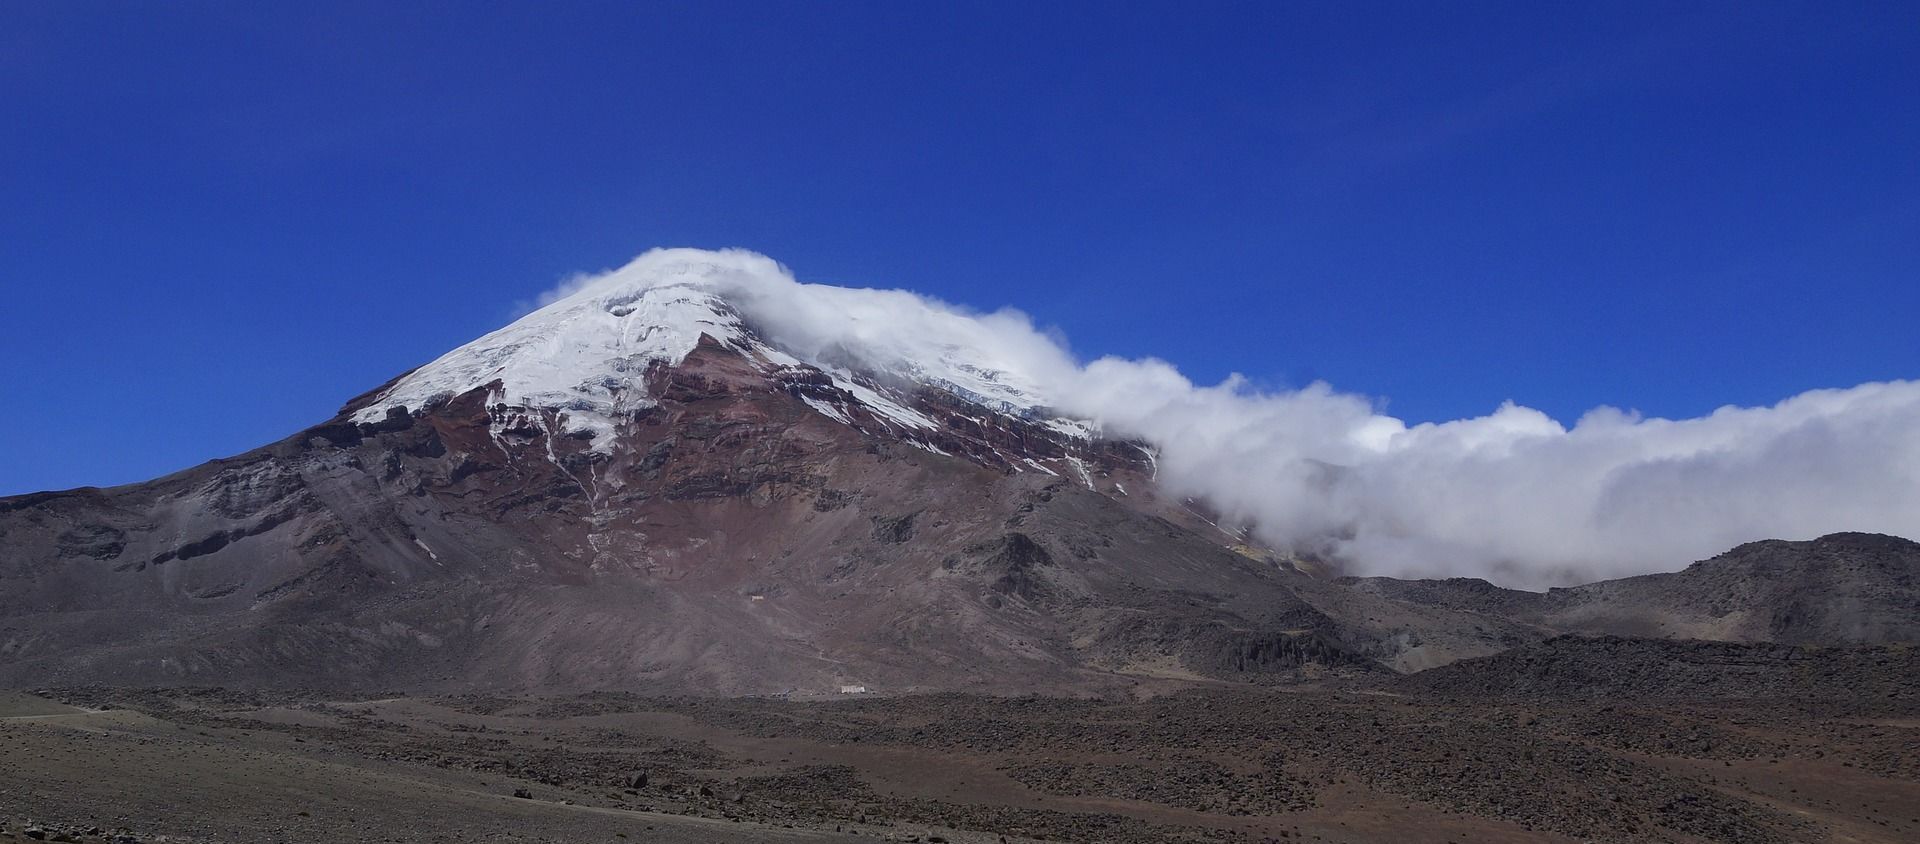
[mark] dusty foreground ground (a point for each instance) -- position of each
(1198, 765)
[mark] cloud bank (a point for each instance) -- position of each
(1513, 496)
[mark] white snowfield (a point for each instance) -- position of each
(585, 355)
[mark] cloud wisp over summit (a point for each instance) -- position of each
(1514, 496)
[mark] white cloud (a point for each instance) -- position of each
(1513, 496)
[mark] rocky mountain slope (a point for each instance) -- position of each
(634, 488)
(1841, 588)
(1828, 680)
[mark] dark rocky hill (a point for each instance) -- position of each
(1845, 588)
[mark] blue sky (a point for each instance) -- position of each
(222, 220)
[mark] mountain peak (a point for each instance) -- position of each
(586, 353)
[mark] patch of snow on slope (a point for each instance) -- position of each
(1080, 468)
(883, 405)
(928, 447)
(828, 410)
(1079, 429)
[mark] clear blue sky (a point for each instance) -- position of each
(218, 221)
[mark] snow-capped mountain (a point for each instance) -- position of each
(584, 360)
(697, 474)
(661, 480)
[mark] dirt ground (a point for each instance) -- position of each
(1199, 765)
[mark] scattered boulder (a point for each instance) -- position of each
(893, 529)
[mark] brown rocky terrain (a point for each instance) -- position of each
(1839, 681)
(1338, 762)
